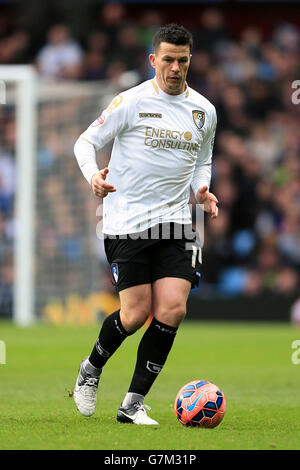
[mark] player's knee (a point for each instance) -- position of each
(171, 314)
(134, 318)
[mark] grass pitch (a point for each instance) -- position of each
(251, 363)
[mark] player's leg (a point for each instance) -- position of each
(135, 303)
(135, 309)
(175, 267)
(132, 279)
(169, 296)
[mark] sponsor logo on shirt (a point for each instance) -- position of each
(170, 139)
(188, 135)
(150, 115)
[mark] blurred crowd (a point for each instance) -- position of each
(253, 247)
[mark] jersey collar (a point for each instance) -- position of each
(168, 97)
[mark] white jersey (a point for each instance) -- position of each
(162, 146)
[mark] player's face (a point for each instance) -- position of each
(171, 65)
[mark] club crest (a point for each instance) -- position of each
(199, 118)
(115, 271)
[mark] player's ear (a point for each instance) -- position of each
(152, 60)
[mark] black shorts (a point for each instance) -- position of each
(148, 256)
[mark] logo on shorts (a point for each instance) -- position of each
(115, 271)
(199, 118)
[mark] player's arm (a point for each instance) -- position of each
(85, 153)
(112, 121)
(202, 173)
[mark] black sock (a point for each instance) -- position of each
(152, 354)
(111, 336)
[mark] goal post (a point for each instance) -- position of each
(25, 79)
(60, 271)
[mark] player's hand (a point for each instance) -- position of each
(209, 201)
(99, 186)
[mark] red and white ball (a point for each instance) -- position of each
(200, 404)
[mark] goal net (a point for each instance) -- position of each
(60, 271)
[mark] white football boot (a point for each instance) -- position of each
(85, 392)
(135, 413)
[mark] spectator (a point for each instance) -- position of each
(16, 48)
(94, 66)
(7, 183)
(61, 57)
(112, 19)
(6, 288)
(129, 50)
(212, 31)
(149, 22)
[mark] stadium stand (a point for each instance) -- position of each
(254, 246)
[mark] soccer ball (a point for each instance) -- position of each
(200, 404)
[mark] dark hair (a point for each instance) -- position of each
(173, 34)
